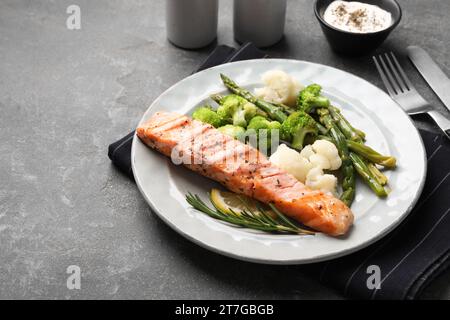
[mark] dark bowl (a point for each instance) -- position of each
(350, 43)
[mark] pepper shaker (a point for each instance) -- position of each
(191, 24)
(259, 21)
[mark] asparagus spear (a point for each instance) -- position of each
(364, 172)
(309, 100)
(217, 98)
(372, 155)
(274, 112)
(358, 136)
(347, 129)
(286, 109)
(322, 129)
(348, 183)
(364, 169)
(377, 174)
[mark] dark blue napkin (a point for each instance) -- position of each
(409, 258)
(412, 255)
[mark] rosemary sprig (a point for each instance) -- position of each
(259, 220)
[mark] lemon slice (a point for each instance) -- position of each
(228, 202)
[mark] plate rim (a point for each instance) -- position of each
(319, 258)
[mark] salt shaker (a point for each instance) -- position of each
(259, 21)
(191, 24)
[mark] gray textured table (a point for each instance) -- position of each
(65, 95)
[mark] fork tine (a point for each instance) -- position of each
(400, 82)
(389, 75)
(388, 86)
(402, 73)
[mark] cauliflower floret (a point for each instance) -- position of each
(320, 161)
(317, 180)
(307, 151)
(292, 162)
(279, 88)
(322, 154)
(328, 151)
(308, 165)
(267, 94)
(280, 82)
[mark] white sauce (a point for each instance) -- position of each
(357, 17)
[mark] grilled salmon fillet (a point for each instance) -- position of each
(243, 169)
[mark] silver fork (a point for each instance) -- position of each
(403, 92)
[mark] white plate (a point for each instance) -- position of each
(388, 129)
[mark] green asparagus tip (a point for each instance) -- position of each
(216, 97)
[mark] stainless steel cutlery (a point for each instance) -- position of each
(403, 92)
(430, 71)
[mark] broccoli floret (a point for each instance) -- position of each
(233, 131)
(208, 115)
(314, 88)
(260, 122)
(244, 114)
(228, 106)
(264, 129)
(236, 110)
(296, 127)
(310, 98)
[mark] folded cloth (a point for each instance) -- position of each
(120, 151)
(412, 255)
(408, 259)
(120, 154)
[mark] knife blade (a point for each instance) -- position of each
(431, 72)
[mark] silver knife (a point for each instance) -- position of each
(430, 71)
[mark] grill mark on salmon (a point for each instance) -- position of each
(243, 169)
